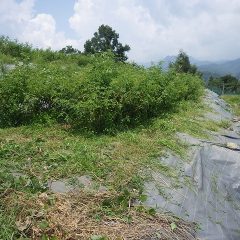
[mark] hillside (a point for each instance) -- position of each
(80, 134)
(208, 68)
(169, 59)
(220, 69)
(93, 148)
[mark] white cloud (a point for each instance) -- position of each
(41, 31)
(13, 12)
(18, 20)
(132, 21)
(154, 29)
(88, 15)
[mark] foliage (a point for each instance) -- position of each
(225, 84)
(234, 101)
(94, 93)
(35, 154)
(14, 48)
(106, 39)
(69, 50)
(183, 65)
(13, 52)
(101, 96)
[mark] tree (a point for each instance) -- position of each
(106, 39)
(225, 84)
(183, 65)
(69, 50)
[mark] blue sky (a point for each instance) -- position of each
(207, 30)
(61, 10)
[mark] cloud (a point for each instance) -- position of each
(18, 19)
(13, 12)
(41, 30)
(153, 29)
(156, 28)
(90, 14)
(132, 21)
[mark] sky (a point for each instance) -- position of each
(204, 29)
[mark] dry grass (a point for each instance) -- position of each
(72, 217)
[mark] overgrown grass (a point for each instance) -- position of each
(122, 162)
(103, 96)
(234, 101)
(64, 116)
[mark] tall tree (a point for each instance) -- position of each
(69, 50)
(183, 65)
(104, 40)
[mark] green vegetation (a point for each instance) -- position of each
(224, 85)
(234, 101)
(183, 65)
(69, 50)
(122, 162)
(221, 69)
(106, 39)
(13, 52)
(66, 114)
(101, 96)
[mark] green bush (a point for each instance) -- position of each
(100, 96)
(14, 48)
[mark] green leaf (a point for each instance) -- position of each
(143, 198)
(173, 226)
(152, 211)
(43, 225)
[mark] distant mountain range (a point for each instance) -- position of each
(219, 69)
(167, 60)
(215, 69)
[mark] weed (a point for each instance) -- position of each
(224, 124)
(50, 114)
(234, 101)
(101, 97)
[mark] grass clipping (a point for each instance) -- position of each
(82, 216)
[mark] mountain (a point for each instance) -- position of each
(167, 60)
(228, 67)
(208, 68)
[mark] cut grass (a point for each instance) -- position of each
(121, 162)
(88, 216)
(234, 101)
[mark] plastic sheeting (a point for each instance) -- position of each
(208, 189)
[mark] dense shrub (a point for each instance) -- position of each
(14, 48)
(100, 96)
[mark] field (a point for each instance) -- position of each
(120, 162)
(65, 117)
